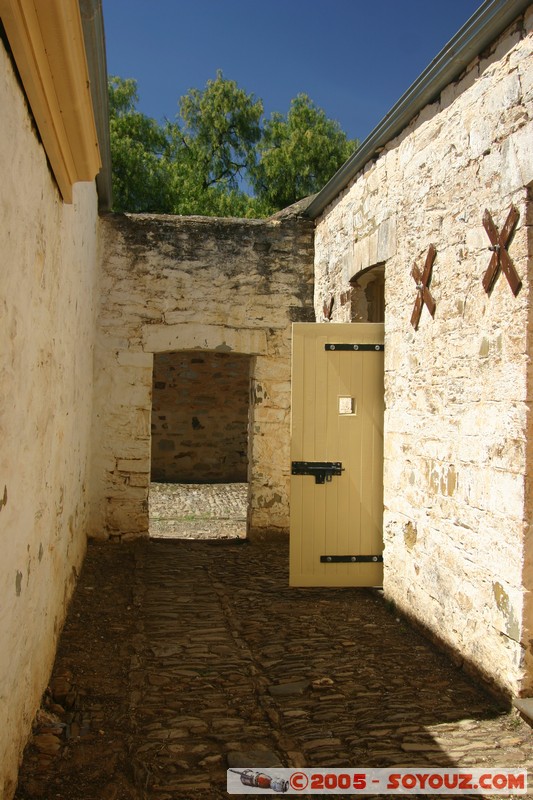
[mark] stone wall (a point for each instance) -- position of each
(47, 297)
(206, 285)
(200, 410)
(457, 472)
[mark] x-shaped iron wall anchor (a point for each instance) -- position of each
(422, 282)
(500, 257)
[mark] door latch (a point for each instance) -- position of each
(322, 470)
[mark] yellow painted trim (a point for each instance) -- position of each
(46, 38)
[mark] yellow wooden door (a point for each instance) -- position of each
(336, 536)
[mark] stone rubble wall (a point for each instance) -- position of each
(200, 412)
(457, 471)
(205, 285)
(48, 299)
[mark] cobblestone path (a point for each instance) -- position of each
(181, 658)
(198, 511)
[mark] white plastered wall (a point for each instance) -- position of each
(47, 304)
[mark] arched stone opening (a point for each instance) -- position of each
(368, 295)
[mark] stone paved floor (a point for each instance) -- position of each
(198, 511)
(181, 657)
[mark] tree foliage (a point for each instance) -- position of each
(220, 128)
(141, 169)
(298, 154)
(219, 157)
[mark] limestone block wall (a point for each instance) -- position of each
(48, 309)
(200, 416)
(457, 471)
(206, 285)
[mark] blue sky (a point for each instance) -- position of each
(354, 58)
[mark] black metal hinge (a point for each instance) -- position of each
(378, 348)
(350, 559)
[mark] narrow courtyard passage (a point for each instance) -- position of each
(180, 658)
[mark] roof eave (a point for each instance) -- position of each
(94, 39)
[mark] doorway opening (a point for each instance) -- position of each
(200, 445)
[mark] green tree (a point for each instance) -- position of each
(213, 146)
(220, 127)
(298, 154)
(199, 163)
(138, 144)
(191, 166)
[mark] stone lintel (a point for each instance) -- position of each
(195, 336)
